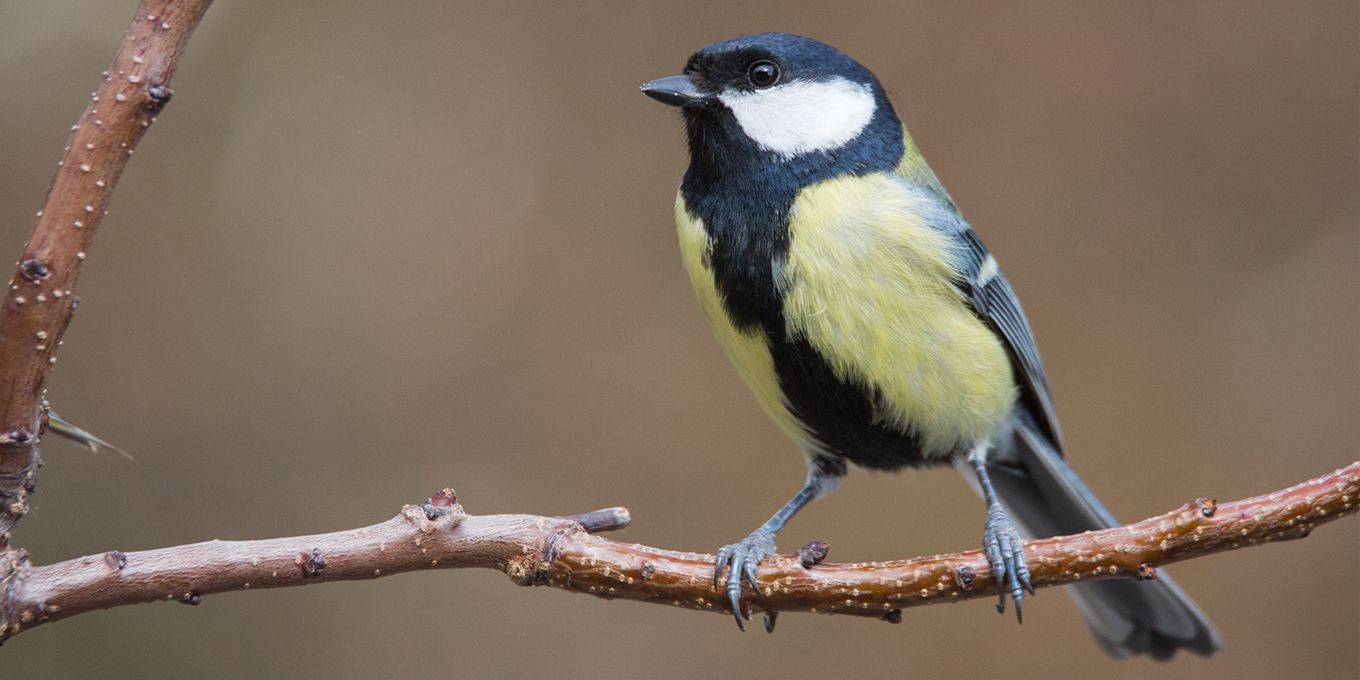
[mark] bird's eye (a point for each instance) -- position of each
(763, 74)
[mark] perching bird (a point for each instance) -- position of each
(869, 320)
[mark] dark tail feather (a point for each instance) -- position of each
(1046, 498)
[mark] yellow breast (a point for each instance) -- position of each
(868, 285)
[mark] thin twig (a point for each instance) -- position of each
(40, 299)
(559, 552)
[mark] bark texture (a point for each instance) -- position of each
(561, 552)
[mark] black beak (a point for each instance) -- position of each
(672, 91)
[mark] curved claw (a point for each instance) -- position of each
(743, 560)
(734, 595)
(1005, 552)
(724, 556)
(750, 572)
(1022, 568)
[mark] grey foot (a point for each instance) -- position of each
(743, 558)
(1006, 554)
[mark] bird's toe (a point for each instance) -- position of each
(742, 560)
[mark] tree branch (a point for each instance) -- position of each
(39, 302)
(554, 551)
(560, 552)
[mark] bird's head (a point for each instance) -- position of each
(776, 97)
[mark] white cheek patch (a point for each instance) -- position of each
(802, 117)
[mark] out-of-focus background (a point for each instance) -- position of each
(376, 249)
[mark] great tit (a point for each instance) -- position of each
(871, 323)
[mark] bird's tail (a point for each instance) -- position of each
(1044, 497)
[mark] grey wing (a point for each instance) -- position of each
(994, 302)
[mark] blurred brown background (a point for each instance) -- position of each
(375, 249)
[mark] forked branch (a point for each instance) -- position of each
(561, 552)
(40, 299)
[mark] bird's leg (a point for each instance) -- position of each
(745, 557)
(1005, 552)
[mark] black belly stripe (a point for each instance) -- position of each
(744, 195)
(840, 414)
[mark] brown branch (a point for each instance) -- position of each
(39, 302)
(560, 552)
(555, 551)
